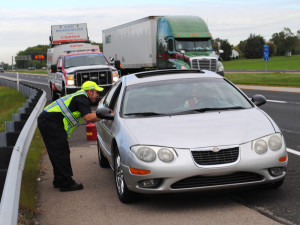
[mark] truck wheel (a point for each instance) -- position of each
(54, 95)
(63, 90)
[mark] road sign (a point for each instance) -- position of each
(23, 57)
(266, 52)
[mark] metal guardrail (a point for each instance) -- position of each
(9, 206)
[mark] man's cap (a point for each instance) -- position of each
(90, 85)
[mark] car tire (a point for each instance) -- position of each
(124, 194)
(103, 162)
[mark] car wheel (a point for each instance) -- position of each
(124, 194)
(103, 162)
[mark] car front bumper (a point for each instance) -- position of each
(184, 175)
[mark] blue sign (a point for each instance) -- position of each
(266, 52)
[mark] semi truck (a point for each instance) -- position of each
(162, 42)
(72, 60)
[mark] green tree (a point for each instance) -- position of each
(254, 47)
(241, 47)
(33, 51)
(226, 47)
(5, 65)
(285, 41)
(297, 49)
(99, 44)
(272, 48)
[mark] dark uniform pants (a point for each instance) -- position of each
(56, 141)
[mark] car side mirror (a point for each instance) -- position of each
(118, 64)
(53, 69)
(105, 113)
(259, 100)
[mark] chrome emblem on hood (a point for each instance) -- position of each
(215, 149)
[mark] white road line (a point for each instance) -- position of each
(293, 151)
(34, 82)
(275, 101)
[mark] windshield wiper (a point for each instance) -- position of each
(217, 109)
(207, 109)
(146, 114)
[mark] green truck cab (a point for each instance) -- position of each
(184, 42)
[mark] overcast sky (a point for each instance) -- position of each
(27, 23)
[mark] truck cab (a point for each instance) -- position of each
(72, 70)
(184, 42)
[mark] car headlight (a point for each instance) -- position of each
(146, 154)
(115, 75)
(221, 68)
(165, 155)
(275, 142)
(149, 153)
(260, 146)
(272, 142)
(70, 80)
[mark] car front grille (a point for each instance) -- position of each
(204, 64)
(101, 77)
(208, 157)
(203, 181)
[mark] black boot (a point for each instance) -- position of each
(71, 185)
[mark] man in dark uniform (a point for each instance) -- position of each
(56, 124)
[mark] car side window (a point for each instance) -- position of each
(111, 97)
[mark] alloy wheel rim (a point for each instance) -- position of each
(119, 175)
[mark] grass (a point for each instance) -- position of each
(32, 71)
(10, 101)
(274, 63)
(265, 79)
(28, 199)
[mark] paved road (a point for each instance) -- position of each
(98, 203)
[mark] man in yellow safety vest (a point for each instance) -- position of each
(56, 124)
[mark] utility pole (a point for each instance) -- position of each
(12, 63)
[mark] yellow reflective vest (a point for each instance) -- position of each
(71, 119)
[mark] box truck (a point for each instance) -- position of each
(72, 60)
(162, 42)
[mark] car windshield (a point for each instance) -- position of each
(184, 96)
(193, 44)
(84, 60)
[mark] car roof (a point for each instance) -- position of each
(160, 75)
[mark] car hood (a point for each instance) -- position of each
(202, 129)
(91, 67)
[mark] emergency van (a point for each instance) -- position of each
(72, 60)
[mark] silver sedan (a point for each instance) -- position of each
(186, 130)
